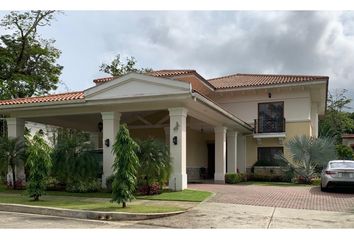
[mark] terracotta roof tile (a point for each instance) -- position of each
(49, 98)
(159, 73)
(254, 80)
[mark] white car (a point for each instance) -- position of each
(338, 173)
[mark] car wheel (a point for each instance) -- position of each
(323, 189)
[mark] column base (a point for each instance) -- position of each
(177, 182)
(219, 177)
(103, 183)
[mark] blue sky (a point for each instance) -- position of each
(214, 43)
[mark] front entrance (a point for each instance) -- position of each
(211, 160)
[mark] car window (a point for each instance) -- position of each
(342, 165)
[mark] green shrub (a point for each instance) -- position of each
(73, 160)
(344, 152)
(83, 186)
(155, 164)
(39, 164)
(232, 178)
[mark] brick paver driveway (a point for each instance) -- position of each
(278, 196)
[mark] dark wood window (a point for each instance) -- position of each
(271, 117)
(266, 156)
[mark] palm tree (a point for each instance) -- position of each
(12, 152)
(308, 154)
(155, 162)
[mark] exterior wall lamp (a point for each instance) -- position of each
(174, 140)
(106, 142)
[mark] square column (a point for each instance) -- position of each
(110, 122)
(220, 154)
(15, 129)
(232, 152)
(241, 153)
(178, 148)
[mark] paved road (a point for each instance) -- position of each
(231, 207)
(206, 215)
(297, 197)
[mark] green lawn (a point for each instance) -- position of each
(185, 195)
(99, 201)
(83, 203)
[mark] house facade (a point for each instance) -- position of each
(213, 126)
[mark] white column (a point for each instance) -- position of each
(220, 154)
(15, 129)
(110, 122)
(94, 139)
(178, 149)
(231, 151)
(241, 153)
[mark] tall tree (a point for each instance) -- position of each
(337, 121)
(118, 67)
(125, 167)
(27, 62)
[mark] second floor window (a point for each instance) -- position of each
(271, 117)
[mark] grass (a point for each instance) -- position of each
(99, 201)
(185, 195)
(81, 203)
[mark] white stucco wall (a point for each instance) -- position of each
(297, 103)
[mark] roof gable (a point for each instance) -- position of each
(136, 85)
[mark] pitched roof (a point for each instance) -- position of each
(49, 98)
(159, 73)
(255, 80)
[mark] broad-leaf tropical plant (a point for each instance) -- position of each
(125, 167)
(12, 152)
(73, 163)
(39, 163)
(308, 154)
(155, 162)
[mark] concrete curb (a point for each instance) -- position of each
(83, 214)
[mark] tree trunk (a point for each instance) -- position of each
(36, 198)
(13, 177)
(124, 204)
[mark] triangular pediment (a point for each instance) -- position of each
(136, 85)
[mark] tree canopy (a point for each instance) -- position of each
(337, 121)
(27, 61)
(118, 67)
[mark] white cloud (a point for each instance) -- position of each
(214, 43)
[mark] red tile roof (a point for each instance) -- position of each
(159, 73)
(49, 98)
(198, 82)
(254, 80)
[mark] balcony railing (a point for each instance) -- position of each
(269, 125)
